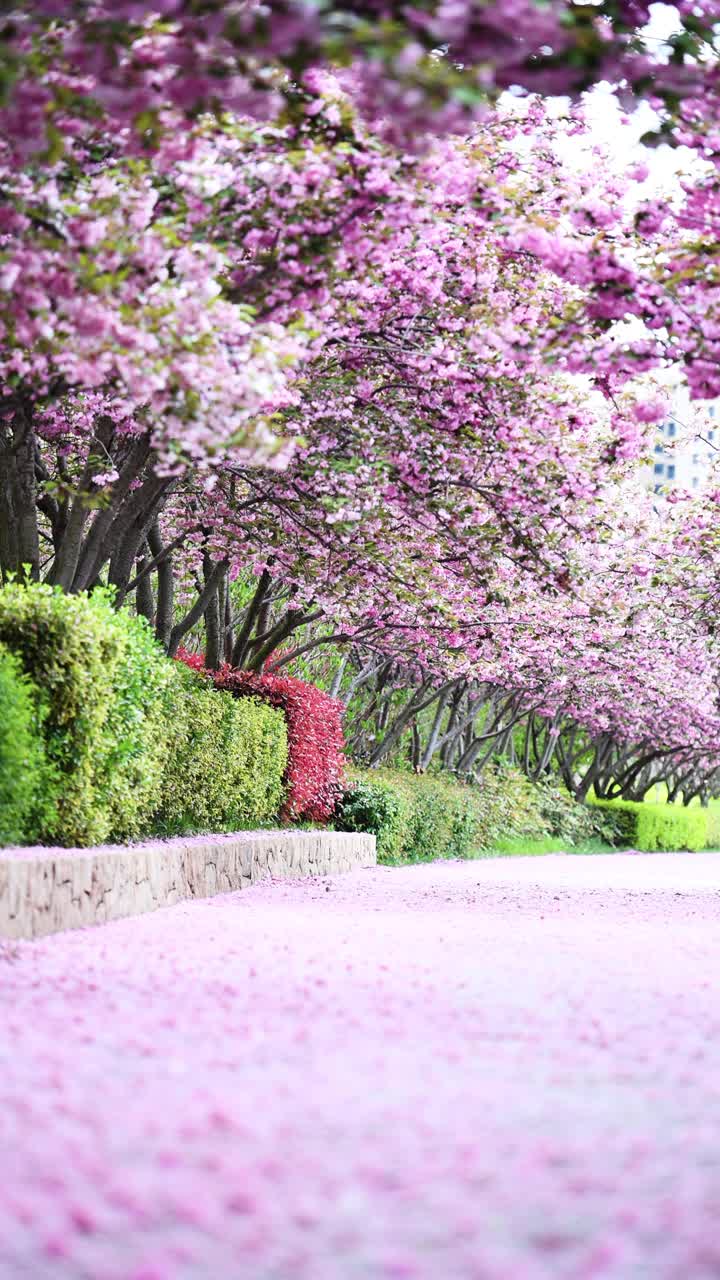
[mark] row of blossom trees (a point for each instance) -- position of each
(273, 373)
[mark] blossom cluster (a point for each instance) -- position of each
(66, 63)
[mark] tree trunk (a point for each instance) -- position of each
(102, 539)
(69, 543)
(19, 535)
(195, 614)
(144, 599)
(213, 633)
(165, 585)
(242, 642)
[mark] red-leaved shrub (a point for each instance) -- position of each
(315, 771)
(194, 660)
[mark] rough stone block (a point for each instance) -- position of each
(44, 890)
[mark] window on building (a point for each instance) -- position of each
(671, 471)
(711, 435)
(696, 459)
(711, 411)
(695, 482)
(659, 448)
(659, 468)
(671, 429)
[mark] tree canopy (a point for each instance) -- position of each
(289, 300)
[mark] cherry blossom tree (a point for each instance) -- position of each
(151, 318)
(429, 67)
(258, 327)
(453, 519)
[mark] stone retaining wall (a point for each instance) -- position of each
(43, 891)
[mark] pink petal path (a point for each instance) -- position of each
(495, 1070)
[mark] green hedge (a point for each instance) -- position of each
(568, 820)
(713, 824)
(99, 680)
(129, 743)
(433, 815)
(226, 759)
(656, 827)
(377, 807)
(411, 817)
(24, 773)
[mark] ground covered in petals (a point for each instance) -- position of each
(498, 1070)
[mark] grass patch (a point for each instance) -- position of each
(524, 848)
(515, 848)
(518, 846)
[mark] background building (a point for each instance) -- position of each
(687, 446)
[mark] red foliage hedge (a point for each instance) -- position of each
(315, 772)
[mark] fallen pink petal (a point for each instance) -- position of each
(476, 1070)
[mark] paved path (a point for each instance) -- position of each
(503, 1070)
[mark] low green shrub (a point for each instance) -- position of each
(435, 816)
(713, 825)
(621, 821)
(137, 732)
(514, 808)
(430, 821)
(377, 807)
(526, 848)
(226, 759)
(99, 680)
(572, 823)
(463, 835)
(24, 772)
(413, 817)
(656, 827)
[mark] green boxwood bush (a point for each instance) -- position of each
(656, 827)
(99, 681)
(377, 807)
(127, 743)
(24, 773)
(226, 759)
(137, 732)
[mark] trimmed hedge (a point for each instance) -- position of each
(24, 772)
(125, 734)
(315, 772)
(226, 762)
(435, 816)
(656, 827)
(713, 825)
(412, 816)
(99, 681)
